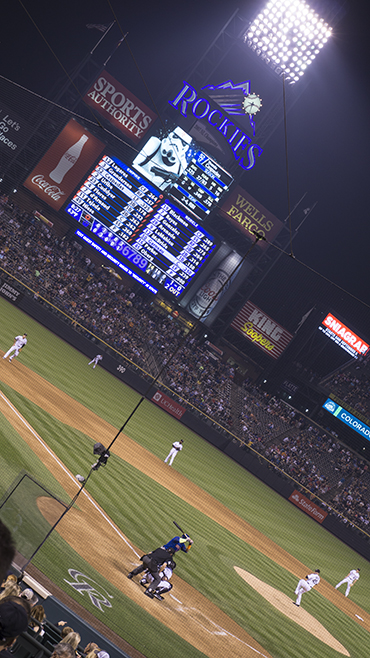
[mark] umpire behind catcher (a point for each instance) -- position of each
(154, 561)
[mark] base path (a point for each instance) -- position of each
(200, 614)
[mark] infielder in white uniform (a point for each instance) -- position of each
(305, 585)
(176, 447)
(353, 575)
(95, 360)
(19, 343)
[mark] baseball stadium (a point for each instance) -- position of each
(184, 401)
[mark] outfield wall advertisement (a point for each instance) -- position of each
(261, 330)
(308, 506)
(173, 408)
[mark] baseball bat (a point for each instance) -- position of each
(177, 526)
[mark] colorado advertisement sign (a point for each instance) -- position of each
(347, 418)
(251, 217)
(57, 174)
(308, 506)
(120, 107)
(344, 337)
(261, 330)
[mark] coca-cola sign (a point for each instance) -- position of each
(120, 107)
(64, 164)
(261, 330)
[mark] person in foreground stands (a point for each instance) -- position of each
(63, 651)
(14, 618)
(7, 550)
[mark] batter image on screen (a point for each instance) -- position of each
(162, 161)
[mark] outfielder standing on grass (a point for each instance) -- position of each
(353, 575)
(176, 447)
(305, 585)
(18, 345)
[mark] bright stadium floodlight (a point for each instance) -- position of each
(288, 35)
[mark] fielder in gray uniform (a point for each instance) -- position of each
(305, 584)
(353, 575)
(95, 360)
(19, 343)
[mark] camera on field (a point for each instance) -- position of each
(103, 456)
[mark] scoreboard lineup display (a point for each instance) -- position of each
(201, 185)
(132, 217)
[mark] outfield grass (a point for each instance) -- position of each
(209, 567)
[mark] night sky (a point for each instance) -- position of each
(328, 127)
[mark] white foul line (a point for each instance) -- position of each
(66, 471)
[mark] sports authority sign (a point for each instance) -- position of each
(120, 107)
(169, 405)
(308, 506)
(64, 164)
(344, 337)
(251, 216)
(261, 330)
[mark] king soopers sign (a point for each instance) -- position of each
(188, 103)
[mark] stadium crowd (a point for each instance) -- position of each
(59, 272)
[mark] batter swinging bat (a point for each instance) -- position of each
(177, 526)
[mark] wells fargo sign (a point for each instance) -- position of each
(120, 107)
(251, 216)
(308, 506)
(261, 330)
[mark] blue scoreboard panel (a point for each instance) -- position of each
(145, 229)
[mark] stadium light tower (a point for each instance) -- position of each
(288, 35)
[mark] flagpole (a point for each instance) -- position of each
(102, 37)
(114, 50)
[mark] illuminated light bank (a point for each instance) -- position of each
(115, 261)
(245, 151)
(347, 418)
(288, 35)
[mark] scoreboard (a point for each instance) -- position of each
(175, 163)
(129, 215)
(201, 185)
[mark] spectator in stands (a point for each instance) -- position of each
(38, 617)
(72, 638)
(12, 589)
(7, 550)
(10, 580)
(66, 631)
(63, 651)
(14, 617)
